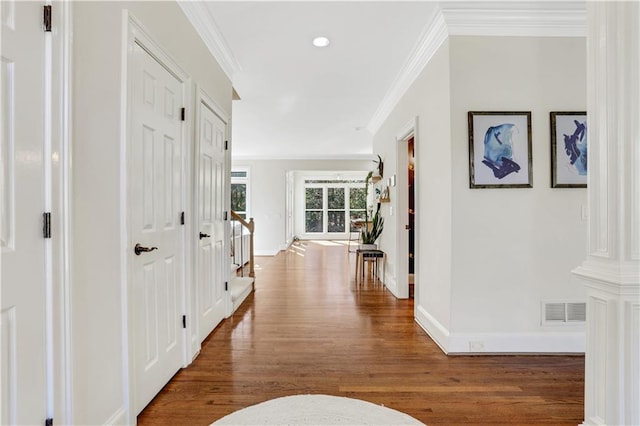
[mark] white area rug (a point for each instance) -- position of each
(317, 410)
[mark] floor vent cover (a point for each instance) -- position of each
(563, 312)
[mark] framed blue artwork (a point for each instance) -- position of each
(568, 149)
(500, 150)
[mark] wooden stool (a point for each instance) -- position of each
(372, 255)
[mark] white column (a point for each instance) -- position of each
(611, 270)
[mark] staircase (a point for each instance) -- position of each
(239, 285)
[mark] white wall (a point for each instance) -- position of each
(99, 368)
(267, 190)
(473, 284)
(427, 99)
(500, 276)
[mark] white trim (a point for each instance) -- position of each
(428, 44)
(523, 342)
(202, 20)
(550, 22)
(357, 157)
(438, 332)
(572, 341)
(128, 375)
(48, 185)
(549, 19)
(1, 198)
(391, 284)
(401, 201)
(63, 355)
(135, 32)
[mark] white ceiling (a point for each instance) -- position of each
(300, 101)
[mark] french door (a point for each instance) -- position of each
(330, 207)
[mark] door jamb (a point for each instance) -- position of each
(409, 130)
(61, 212)
(133, 31)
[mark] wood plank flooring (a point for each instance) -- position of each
(308, 329)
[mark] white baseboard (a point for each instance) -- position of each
(117, 418)
(570, 341)
(391, 284)
(528, 342)
(438, 333)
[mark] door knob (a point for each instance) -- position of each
(138, 249)
(204, 235)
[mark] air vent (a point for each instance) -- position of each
(563, 312)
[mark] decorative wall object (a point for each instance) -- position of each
(568, 149)
(500, 150)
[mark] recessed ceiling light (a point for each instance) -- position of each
(321, 42)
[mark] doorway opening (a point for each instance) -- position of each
(411, 213)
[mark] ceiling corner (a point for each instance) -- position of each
(560, 19)
(200, 17)
(428, 44)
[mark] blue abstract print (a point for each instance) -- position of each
(575, 146)
(498, 150)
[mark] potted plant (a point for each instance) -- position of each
(369, 234)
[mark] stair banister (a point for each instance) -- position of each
(251, 227)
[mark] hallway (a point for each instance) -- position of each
(307, 329)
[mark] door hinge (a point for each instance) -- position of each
(226, 145)
(226, 286)
(46, 228)
(225, 215)
(183, 114)
(46, 20)
(48, 422)
(184, 321)
(182, 218)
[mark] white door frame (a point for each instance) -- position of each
(61, 216)
(203, 98)
(135, 33)
(408, 131)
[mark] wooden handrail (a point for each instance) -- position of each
(251, 227)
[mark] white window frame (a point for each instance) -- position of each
(325, 234)
(246, 181)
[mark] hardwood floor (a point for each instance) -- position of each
(307, 329)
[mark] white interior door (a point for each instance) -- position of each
(22, 313)
(211, 195)
(156, 185)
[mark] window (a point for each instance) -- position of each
(331, 204)
(336, 212)
(357, 205)
(239, 191)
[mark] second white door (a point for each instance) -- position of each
(211, 172)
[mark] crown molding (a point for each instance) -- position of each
(555, 20)
(302, 157)
(200, 17)
(550, 22)
(428, 44)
